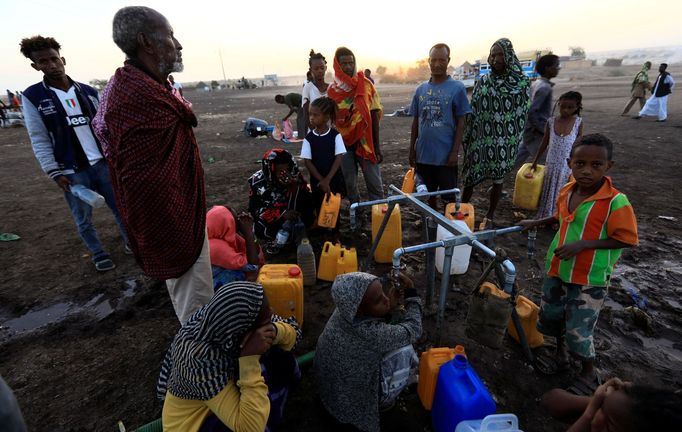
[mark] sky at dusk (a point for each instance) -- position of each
(265, 37)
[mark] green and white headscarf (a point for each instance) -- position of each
(494, 128)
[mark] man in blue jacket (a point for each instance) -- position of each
(57, 113)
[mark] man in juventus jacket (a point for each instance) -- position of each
(57, 112)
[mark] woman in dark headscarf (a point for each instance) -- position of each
(363, 361)
(279, 199)
(211, 376)
(499, 106)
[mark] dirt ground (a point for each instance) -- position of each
(82, 350)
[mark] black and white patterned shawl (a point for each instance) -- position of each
(203, 356)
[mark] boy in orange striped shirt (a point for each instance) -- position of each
(596, 222)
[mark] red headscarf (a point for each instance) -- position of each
(228, 249)
(353, 119)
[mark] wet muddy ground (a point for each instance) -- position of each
(82, 350)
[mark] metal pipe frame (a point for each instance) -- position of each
(507, 274)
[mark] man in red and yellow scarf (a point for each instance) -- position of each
(357, 119)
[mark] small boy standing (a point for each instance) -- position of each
(596, 222)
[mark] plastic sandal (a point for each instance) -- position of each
(584, 386)
(547, 363)
(486, 224)
(104, 264)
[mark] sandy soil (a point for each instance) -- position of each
(82, 350)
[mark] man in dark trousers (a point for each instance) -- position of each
(57, 112)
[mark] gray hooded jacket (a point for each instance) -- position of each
(350, 349)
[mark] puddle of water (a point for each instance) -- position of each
(34, 319)
(663, 345)
(674, 303)
(98, 306)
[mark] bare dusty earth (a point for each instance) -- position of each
(82, 350)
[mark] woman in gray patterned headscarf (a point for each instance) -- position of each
(363, 361)
(211, 375)
(499, 106)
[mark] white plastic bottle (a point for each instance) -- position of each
(87, 195)
(460, 254)
(493, 422)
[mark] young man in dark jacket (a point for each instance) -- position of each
(57, 112)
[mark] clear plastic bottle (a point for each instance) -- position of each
(532, 235)
(282, 237)
(88, 196)
(419, 184)
(305, 258)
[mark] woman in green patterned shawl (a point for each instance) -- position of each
(494, 128)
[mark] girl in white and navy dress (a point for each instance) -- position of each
(322, 151)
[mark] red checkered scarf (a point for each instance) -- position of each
(155, 168)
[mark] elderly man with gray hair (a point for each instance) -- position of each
(145, 127)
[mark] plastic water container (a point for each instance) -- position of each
(88, 196)
(528, 187)
(347, 261)
(283, 285)
(419, 184)
(429, 364)
(305, 257)
(494, 422)
(460, 395)
(467, 209)
(493, 289)
(528, 314)
(329, 211)
(408, 181)
(282, 237)
(328, 261)
(460, 254)
(392, 238)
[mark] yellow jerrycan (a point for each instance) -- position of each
(408, 181)
(528, 314)
(283, 285)
(429, 365)
(467, 210)
(528, 187)
(329, 211)
(347, 261)
(392, 238)
(328, 260)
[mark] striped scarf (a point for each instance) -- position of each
(353, 119)
(204, 354)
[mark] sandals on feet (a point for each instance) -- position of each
(104, 263)
(486, 224)
(547, 363)
(585, 386)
